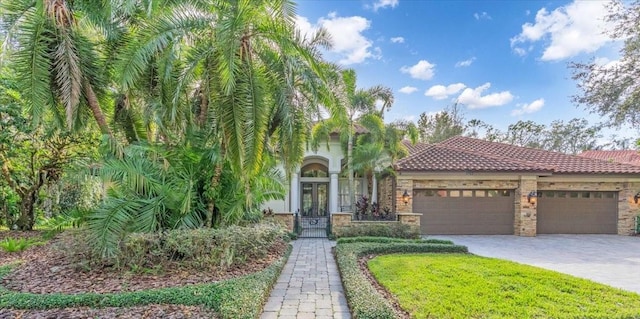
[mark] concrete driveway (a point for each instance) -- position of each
(608, 259)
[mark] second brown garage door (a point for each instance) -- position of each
(465, 211)
(564, 212)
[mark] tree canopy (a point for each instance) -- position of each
(612, 89)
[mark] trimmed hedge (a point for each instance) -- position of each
(373, 229)
(241, 297)
(364, 300)
(387, 240)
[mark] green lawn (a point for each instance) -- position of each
(468, 286)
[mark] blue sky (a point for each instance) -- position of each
(503, 61)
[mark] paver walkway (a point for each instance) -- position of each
(309, 286)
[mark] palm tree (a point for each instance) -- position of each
(359, 109)
(254, 82)
(56, 45)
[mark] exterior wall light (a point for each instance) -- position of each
(532, 197)
(636, 197)
(406, 197)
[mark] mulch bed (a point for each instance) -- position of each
(148, 311)
(45, 269)
(7, 258)
(400, 313)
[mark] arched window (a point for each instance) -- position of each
(314, 170)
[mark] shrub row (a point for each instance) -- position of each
(386, 229)
(364, 300)
(386, 240)
(241, 297)
(200, 249)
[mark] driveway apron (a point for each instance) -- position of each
(309, 286)
(609, 259)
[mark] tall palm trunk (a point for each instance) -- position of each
(352, 186)
(94, 105)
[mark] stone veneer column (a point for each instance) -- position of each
(286, 219)
(339, 221)
(401, 186)
(409, 219)
(525, 221)
(295, 193)
(627, 208)
(333, 194)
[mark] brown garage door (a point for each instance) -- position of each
(465, 211)
(564, 212)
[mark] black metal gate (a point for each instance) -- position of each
(312, 227)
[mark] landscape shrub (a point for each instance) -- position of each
(387, 240)
(13, 245)
(364, 300)
(380, 229)
(241, 297)
(198, 249)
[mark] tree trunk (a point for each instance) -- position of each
(94, 105)
(215, 182)
(352, 185)
(27, 204)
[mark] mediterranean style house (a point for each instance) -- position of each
(317, 187)
(470, 186)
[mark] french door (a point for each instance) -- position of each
(315, 199)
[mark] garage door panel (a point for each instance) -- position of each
(577, 212)
(464, 215)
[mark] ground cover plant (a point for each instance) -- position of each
(468, 286)
(364, 298)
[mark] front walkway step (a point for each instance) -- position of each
(309, 286)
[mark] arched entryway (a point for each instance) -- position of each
(314, 188)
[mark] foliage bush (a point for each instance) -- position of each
(364, 300)
(12, 245)
(387, 240)
(378, 229)
(241, 297)
(199, 249)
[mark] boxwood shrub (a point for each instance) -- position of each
(364, 300)
(386, 240)
(241, 297)
(378, 229)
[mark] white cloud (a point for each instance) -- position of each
(519, 51)
(423, 70)
(532, 107)
(465, 63)
(441, 92)
(397, 40)
(482, 15)
(474, 99)
(346, 34)
(381, 4)
(570, 30)
(408, 89)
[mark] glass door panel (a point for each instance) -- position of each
(322, 199)
(307, 199)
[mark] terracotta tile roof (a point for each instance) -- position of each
(470, 154)
(414, 148)
(438, 158)
(622, 156)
